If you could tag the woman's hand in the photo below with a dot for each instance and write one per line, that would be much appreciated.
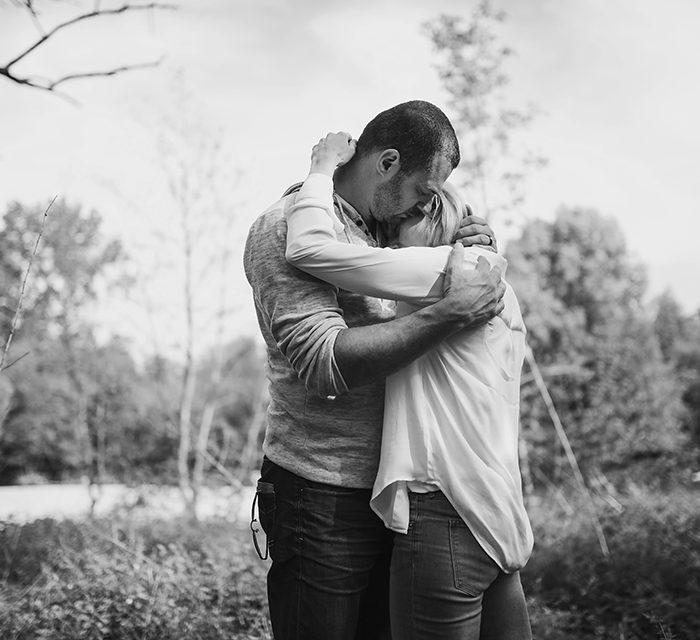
(330, 152)
(474, 230)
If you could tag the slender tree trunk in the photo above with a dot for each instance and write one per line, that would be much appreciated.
(201, 447)
(81, 419)
(101, 443)
(6, 395)
(84, 437)
(257, 424)
(223, 452)
(185, 426)
(189, 373)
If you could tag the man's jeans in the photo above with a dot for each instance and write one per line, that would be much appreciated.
(330, 553)
(443, 584)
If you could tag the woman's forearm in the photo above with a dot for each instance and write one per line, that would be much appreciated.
(472, 298)
(412, 274)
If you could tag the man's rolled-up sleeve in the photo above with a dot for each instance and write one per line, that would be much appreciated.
(308, 341)
(301, 312)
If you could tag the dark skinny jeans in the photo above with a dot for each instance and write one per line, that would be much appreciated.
(329, 578)
(443, 584)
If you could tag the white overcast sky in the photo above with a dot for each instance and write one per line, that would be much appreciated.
(617, 80)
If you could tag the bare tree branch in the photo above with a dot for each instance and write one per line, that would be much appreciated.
(29, 6)
(103, 74)
(97, 12)
(15, 361)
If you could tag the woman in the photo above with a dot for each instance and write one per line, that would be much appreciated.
(448, 481)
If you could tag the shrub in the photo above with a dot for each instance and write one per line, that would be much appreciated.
(160, 580)
(649, 586)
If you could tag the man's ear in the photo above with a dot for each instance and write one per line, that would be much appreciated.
(388, 163)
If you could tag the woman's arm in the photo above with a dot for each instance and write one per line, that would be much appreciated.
(413, 274)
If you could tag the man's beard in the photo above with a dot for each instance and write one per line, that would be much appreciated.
(385, 200)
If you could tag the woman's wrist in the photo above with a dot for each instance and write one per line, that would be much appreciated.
(324, 166)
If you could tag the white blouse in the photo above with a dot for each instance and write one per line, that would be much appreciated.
(451, 416)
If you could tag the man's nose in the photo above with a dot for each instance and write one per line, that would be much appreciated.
(426, 206)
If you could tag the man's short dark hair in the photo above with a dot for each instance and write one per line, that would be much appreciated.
(418, 130)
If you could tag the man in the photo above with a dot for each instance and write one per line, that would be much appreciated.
(329, 352)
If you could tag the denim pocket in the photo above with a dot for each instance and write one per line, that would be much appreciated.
(473, 569)
(330, 509)
(266, 505)
(265, 501)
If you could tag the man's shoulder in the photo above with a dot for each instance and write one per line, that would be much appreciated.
(266, 244)
(272, 216)
(270, 227)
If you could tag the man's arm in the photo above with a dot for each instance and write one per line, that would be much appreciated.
(471, 298)
(306, 323)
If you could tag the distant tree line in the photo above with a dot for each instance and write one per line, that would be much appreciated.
(624, 375)
(78, 408)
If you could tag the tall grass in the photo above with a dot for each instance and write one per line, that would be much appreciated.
(649, 586)
(128, 578)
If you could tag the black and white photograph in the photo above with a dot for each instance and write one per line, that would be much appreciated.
(370, 320)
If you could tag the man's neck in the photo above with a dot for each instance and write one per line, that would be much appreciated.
(352, 188)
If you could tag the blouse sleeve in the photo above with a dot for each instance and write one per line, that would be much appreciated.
(411, 274)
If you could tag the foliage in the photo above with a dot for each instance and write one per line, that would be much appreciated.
(495, 164)
(679, 338)
(76, 407)
(126, 424)
(73, 260)
(129, 579)
(582, 300)
(133, 577)
(131, 417)
(648, 587)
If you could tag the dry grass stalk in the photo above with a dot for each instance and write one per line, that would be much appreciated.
(18, 311)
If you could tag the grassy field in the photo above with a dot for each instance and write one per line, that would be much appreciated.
(136, 577)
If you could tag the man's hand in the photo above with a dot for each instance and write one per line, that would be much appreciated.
(475, 295)
(474, 230)
(330, 152)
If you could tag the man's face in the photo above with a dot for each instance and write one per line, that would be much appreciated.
(396, 199)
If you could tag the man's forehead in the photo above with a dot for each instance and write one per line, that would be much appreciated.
(435, 177)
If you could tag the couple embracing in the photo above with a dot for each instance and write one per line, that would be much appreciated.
(390, 492)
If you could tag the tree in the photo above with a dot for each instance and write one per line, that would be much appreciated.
(679, 338)
(581, 297)
(472, 70)
(125, 424)
(236, 399)
(8, 69)
(74, 258)
(200, 182)
(673, 329)
(9, 319)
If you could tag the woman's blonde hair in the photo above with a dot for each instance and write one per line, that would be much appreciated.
(443, 218)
